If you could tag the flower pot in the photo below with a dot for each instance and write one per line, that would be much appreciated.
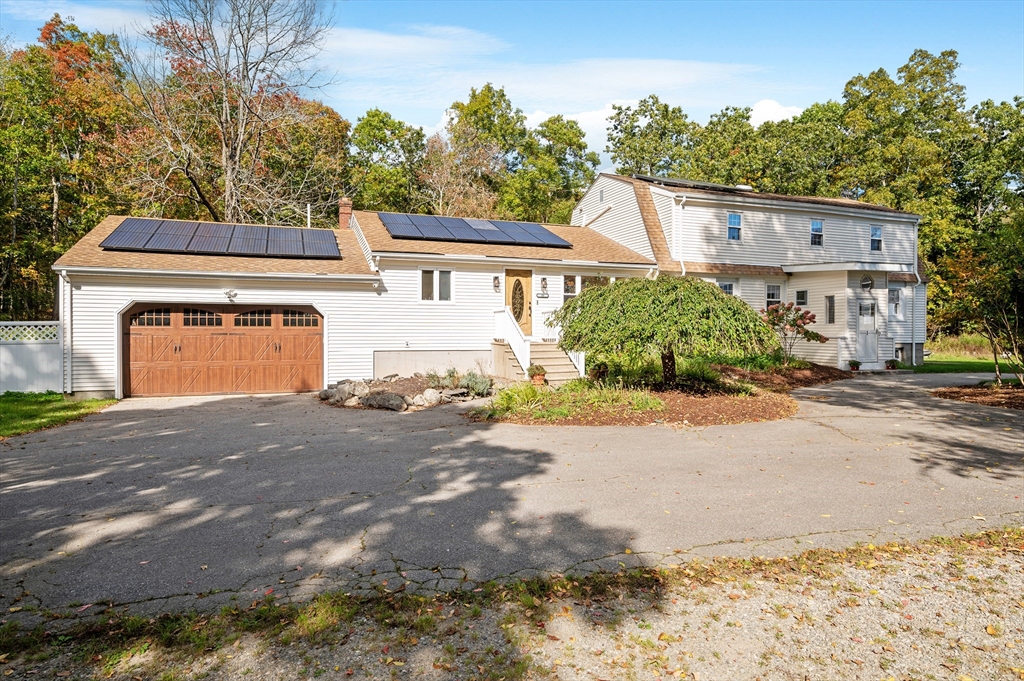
(853, 368)
(538, 379)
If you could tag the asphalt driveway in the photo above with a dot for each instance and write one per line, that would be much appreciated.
(188, 503)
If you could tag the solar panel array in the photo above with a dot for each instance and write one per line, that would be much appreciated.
(469, 230)
(214, 238)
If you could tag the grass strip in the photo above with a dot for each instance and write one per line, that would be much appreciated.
(22, 413)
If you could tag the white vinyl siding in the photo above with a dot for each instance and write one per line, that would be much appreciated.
(818, 285)
(358, 319)
(623, 222)
(780, 236)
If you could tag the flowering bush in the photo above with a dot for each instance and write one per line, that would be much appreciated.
(790, 324)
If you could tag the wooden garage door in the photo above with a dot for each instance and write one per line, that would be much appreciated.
(198, 350)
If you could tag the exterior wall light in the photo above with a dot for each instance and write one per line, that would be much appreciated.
(497, 283)
(543, 288)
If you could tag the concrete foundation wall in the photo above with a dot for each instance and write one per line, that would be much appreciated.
(408, 362)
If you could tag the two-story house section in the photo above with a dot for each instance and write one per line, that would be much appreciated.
(853, 264)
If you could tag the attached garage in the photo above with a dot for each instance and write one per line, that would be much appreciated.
(200, 350)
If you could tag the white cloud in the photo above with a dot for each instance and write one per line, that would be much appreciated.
(108, 17)
(770, 110)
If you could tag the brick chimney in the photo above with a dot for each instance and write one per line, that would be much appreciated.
(344, 212)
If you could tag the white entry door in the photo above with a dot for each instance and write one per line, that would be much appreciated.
(867, 333)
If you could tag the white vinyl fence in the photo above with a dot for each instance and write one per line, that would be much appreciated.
(31, 357)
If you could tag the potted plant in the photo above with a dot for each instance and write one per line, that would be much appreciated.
(854, 365)
(536, 373)
(891, 364)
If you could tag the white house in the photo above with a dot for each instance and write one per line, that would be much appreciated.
(166, 307)
(851, 263)
(166, 310)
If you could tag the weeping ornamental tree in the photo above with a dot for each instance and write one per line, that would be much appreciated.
(667, 316)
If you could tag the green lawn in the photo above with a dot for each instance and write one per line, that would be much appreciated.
(27, 412)
(957, 364)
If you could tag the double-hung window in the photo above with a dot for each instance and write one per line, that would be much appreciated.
(772, 295)
(801, 298)
(735, 226)
(876, 237)
(435, 285)
(896, 303)
(817, 233)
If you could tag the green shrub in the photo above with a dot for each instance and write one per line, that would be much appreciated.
(475, 383)
(536, 370)
(643, 400)
(520, 398)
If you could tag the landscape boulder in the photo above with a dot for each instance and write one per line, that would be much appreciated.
(359, 389)
(431, 397)
(391, 401)
(325, 394)
(352, 402)
(418, 401)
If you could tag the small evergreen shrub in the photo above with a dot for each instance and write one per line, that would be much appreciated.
(475, 383)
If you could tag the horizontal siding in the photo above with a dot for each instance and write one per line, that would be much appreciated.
(782, 237)
(358, 319)
(879, 294)
(818, 285)
(623, 222)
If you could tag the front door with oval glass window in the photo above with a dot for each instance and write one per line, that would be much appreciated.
(518, 298)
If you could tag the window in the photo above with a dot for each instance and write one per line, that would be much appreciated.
(587, 282)
(253, 318)
(735, 226)
(801, 298)
(726, 286)
(568, 287)
(876, 238)
(896, 303)
(156, 317)
(817, 233)
(299, 318)
(830, 309)
(773, 295)
(600, 196)
(435, 285)
(196, 317)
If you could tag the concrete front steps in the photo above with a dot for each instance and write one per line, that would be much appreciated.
(560, 368)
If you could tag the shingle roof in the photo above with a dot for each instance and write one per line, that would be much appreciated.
(655, 233)
(908, 277)
(726, 268)
(587, 245)
(818, 200)
(87, 253)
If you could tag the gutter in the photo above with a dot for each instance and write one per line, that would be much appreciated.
(866, 266)
(192, 274)
(913, 306)
(440, 257)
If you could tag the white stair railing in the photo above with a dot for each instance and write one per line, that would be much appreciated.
(506, 329)
(579, 360)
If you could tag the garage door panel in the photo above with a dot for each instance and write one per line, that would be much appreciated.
(174, 359)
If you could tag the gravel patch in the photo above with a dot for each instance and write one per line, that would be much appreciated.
(938, 610)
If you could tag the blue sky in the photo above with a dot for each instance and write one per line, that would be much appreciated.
(578, 58)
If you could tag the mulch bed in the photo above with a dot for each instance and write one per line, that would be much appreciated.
(1008, 396)
(788, 379)
(683, 409)
(403, 386)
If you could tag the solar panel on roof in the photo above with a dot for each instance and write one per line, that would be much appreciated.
(172, 235)
(182, 236)
(134, 236)
(319, 243)
(469, 230)
(211, 238)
